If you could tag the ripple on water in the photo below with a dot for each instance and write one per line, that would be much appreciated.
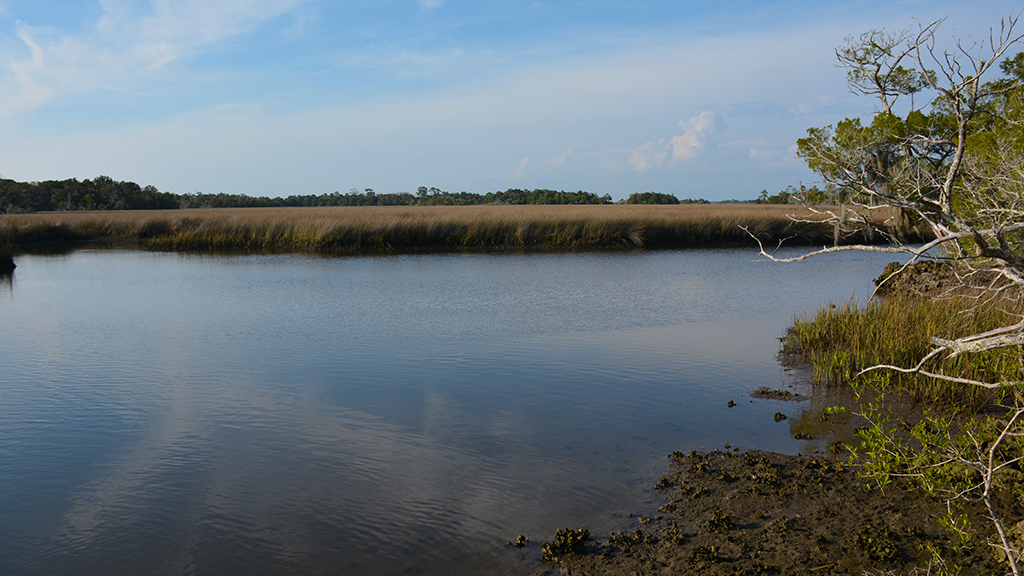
(175, 414)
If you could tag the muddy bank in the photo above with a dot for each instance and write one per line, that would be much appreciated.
(753, 512)
(756, 512)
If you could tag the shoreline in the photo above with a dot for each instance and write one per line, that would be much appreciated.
(357, 230)
(755, 512)
(758, 512)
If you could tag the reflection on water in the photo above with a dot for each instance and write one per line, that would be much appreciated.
(281, 414)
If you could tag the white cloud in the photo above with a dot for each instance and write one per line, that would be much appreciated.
(763, 153)
(560, 160)
(649, 155)
(523, 165)
(129, 39)
(428, 5)
(696, 133)
(581, 132)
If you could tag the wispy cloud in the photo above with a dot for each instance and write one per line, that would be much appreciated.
(523, 165)
(560, 160)
(428, 5)
(606, 120)
(406, 63)
(127, 40)
(665, 153)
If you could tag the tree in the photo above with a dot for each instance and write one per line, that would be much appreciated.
(958, 170)
(651, 198)
(961, 179)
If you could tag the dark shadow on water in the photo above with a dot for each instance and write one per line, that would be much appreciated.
(58, 248)
(67, 248)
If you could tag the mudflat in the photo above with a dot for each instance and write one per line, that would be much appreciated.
(757, 512)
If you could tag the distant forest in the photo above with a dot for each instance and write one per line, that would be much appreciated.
(105, 193)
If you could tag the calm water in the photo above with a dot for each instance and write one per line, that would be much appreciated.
(291, 414)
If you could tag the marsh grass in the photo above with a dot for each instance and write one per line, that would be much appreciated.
(839, 341)
(396, 228)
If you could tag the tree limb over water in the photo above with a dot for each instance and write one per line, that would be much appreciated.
(957, 171)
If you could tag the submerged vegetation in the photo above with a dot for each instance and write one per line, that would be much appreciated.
(395, 228)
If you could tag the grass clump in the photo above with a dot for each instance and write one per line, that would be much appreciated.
(840, 341)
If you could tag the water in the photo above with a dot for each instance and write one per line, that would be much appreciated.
(292, 414)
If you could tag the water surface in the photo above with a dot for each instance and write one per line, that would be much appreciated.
(293, 414)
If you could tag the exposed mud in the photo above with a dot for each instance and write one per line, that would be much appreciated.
(767, 513)
(925, 278)
(755, 512)
(777, 394)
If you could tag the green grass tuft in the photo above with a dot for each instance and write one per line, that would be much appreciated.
(839, 341)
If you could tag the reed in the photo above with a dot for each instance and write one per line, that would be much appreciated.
(402, 228)
(839, 341)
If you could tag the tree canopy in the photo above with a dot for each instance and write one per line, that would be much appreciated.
(957, 168)
(105, 193)
(651, 198)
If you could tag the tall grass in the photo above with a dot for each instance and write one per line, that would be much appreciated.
(839, 341)
(394, 228)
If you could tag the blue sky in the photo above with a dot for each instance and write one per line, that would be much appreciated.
(278, 97)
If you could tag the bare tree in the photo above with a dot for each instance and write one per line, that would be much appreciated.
(958, 172)
(971, 201)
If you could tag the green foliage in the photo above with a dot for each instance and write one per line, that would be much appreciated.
(424, 197)
(966, 463)
(104, 193)
(957, 169)
(880, 153)
(651, 198)
(100, 193)
(793, 195)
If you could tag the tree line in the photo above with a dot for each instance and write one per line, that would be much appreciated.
(105, 193)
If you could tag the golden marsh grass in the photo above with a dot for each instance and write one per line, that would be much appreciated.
(400, 228)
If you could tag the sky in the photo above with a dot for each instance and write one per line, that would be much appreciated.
(277, 97)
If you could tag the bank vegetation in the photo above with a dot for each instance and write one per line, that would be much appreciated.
(411, 228)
